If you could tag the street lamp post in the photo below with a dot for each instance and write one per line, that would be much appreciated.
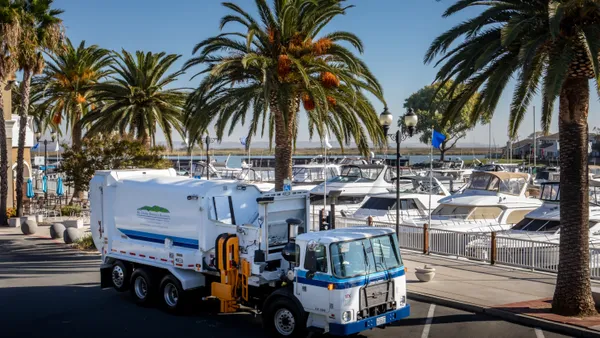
(208, 141)
(38, 136)
(410, 121)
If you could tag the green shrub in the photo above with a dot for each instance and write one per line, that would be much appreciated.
(86, 243)
(70, 210)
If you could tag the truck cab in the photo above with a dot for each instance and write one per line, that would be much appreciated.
(346, 280)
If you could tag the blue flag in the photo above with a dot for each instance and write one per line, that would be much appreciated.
(437, 139)
(35, 146)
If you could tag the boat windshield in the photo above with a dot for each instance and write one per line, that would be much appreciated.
(539, 225)
(257, 175)
(382, 203)
(365, 256)
(358, 174)
(550, 192)
(542, 175)
(304, 174)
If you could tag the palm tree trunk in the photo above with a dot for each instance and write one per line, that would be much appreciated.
(145, 139)
(3, 164)
(283, 141)
(76, 137)
(25, 89)
(573, 294)
(76, 132)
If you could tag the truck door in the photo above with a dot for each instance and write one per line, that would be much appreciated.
(313, 279)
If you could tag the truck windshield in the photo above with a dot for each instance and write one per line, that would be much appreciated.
(365, 256)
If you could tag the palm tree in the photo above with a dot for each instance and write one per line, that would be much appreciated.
(547, 44)
(9, 34)
(136, 99)
(42, 30)
(280, 63)
(68, 82)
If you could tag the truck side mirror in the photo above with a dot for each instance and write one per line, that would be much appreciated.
(310, 263)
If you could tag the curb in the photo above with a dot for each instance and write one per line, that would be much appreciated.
(570, 330)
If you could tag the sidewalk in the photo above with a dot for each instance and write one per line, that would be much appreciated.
(513, 294)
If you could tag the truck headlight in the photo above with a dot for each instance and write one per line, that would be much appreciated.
(347, 316)
(402, 302)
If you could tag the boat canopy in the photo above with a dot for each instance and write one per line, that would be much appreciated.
(502, 182)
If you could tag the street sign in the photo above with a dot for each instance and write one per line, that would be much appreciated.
(38, 160)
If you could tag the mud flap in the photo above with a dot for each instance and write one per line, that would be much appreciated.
(105, 276)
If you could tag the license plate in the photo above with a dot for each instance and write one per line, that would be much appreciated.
(380, 320)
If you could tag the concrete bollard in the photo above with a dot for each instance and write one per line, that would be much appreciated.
(57, 230)
(29, 227)
(72, 235)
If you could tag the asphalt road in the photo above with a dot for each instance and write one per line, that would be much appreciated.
(47, 290)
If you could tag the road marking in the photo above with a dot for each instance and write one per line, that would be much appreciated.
(539, 333)
(428, 322)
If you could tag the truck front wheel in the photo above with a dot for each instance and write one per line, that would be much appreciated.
(284, 319)
(120, 276)
(142, 286)
(173, 295)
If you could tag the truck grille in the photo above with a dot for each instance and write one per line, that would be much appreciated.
(376, 299)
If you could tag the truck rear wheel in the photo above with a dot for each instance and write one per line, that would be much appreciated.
(173, 296)
(120, 276)
(284, 319)
(142, 286)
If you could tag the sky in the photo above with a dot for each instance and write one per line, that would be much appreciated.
(395, 33)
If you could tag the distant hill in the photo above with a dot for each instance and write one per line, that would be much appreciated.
(154, 208)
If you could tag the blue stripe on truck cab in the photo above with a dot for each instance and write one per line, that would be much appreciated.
(158, 238)
(322, 280)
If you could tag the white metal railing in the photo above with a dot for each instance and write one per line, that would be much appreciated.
(484, 246)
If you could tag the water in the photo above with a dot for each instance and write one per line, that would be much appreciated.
(236, 161)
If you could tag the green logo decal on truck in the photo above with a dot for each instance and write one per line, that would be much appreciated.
(154, 208)
(154, 216)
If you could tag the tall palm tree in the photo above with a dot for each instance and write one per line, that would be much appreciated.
(67, 84)
(41, 30)
(279, 63)
(136, 99)
(550, 45)
(9, 37)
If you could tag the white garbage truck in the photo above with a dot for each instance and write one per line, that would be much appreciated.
(168, 239)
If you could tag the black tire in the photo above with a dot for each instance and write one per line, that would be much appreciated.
(120, 276)
(282, 318)
(173, 298)
(142, 287)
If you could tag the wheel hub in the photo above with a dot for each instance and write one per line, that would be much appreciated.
(171, 295)
(117, 276)
(284, 322)
(141, 288)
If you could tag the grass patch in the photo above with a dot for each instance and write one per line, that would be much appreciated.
(86, 243)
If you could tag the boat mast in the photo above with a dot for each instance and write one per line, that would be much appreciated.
(534, 141)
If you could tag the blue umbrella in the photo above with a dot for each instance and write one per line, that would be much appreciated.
(45, 183)
(30, 193)
(59, 187)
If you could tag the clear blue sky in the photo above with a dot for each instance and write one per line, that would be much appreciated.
(396, 34)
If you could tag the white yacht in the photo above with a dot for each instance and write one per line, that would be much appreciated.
(355, 183)
(547, 174)
(304, 176)
(310, 175)
(413, 202)
(493, 201)
(534, 240)
(451, 173)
